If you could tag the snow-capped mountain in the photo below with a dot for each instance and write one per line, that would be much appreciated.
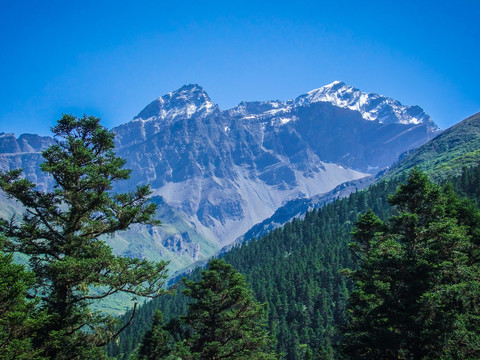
(217, 173)
(373, 107)
(185, 102)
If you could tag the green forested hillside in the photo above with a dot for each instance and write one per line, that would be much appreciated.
(295, 269)
(446, 155)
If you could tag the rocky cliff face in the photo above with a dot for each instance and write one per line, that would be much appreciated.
(217, 173)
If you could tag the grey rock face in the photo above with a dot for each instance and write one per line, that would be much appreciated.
(217, 173)
(25, 153)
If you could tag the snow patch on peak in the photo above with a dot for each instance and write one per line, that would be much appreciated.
(335, 84)
(372, 107)
(259, 110)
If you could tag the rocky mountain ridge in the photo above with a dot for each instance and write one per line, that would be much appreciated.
(216, 173)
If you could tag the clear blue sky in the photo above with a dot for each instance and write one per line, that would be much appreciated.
(111, 58)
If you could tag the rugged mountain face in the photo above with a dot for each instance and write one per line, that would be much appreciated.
(304, 258)
(25, 153)
(217, 173)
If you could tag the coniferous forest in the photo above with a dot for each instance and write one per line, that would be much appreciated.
(295, 269)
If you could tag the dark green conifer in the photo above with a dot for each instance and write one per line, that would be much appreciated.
(416, 286)
(226, 321)
(61, 232)
(157, 342)
(19, 319)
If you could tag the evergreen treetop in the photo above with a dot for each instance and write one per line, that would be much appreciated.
(226, 321)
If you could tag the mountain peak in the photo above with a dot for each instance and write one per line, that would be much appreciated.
(336, 84)
(186, 101)
(190, 92)
(373, 107)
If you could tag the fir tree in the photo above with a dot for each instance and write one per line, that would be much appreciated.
(226, 321)
(157, 343)
(60, 234)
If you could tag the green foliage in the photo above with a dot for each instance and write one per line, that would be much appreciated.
(416, 286)
(295, 270)
(468, 183)
(225, 320)
(60, 231)
(157, 343)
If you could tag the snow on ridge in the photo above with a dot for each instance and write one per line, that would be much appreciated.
(372, 106)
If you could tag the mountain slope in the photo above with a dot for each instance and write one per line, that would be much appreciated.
(225, 171)
(454, 149)
(25, 153)
(299, 207)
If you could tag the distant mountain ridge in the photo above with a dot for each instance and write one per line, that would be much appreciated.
(25, 152)
(216, 173)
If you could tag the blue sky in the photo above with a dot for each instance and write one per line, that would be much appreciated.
(111, 58)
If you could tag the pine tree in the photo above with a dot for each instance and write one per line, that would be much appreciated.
(61, 232)
(157, 343)
(226, 321)
(416, 294)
